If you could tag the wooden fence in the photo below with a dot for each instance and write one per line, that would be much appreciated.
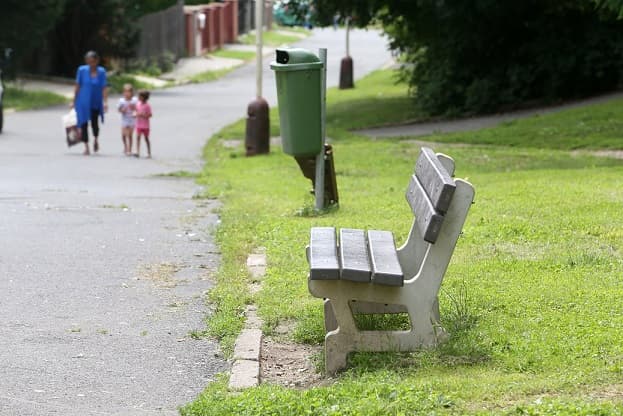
(163, 32)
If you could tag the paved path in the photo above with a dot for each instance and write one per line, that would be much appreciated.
(103, 265)
(475, 123)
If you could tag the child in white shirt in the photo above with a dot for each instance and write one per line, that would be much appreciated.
(127, 108)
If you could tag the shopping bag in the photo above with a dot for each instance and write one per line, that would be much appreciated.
(73, 135)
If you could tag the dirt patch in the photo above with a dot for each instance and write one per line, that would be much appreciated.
(613, 392)
(290, 365)
(161, 274)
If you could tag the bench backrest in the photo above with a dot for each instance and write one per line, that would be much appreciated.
(430, 192)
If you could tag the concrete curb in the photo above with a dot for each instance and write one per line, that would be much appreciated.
(245, 371)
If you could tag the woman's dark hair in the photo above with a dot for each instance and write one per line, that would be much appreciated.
(91, 54)
(143, 95)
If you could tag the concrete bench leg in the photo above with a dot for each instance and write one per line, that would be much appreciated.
(330, 323)
(335, 352)
(435, 311)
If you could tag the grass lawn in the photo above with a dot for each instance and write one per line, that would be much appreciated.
(234, 54)
(20, 99)
(208, 76)
(276, 37)
(537, 274)
(597, 126)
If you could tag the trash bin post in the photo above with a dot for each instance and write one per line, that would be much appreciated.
(319, 188)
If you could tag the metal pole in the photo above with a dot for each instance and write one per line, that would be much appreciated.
(319, 188)
(348, 36)
(259, 28)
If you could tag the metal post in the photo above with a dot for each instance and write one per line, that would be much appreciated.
(319, 188)
(259, 28)
(348, 36)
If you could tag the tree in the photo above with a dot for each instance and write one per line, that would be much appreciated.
(614, 5)
(486, 55)
(24, 23)
(107, 26)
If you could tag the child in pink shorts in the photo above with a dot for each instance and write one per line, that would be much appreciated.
(143, 114)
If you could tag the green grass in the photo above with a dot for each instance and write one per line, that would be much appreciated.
(531, 298)
(208, 76)
(234, 54)
(378, 99)
(596, 126)
(19, 99)
(273, 37)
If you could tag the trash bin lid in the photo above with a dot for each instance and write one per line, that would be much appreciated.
(295, 59)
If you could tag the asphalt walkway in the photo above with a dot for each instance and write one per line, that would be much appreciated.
(104, 264)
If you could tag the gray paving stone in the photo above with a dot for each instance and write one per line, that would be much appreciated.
(244, 374)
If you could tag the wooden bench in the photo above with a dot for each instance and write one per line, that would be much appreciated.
(364, 273)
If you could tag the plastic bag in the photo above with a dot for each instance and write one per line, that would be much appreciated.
(72, 131)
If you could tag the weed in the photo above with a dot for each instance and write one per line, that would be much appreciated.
(460, 315)
(196, 334)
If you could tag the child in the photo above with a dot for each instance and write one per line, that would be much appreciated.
(143, 114)
(127, 108)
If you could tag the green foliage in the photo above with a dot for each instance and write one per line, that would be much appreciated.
(143, 7)
(487, 55)
(614, 5)
(361, 12)
(107, 26)
(153, 67)
(23, 24)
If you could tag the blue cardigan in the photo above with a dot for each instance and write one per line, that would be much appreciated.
(90, 96)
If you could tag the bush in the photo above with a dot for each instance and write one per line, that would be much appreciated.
(486, 55)
(482, 56)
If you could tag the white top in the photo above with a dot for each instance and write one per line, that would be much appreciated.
(128, 111)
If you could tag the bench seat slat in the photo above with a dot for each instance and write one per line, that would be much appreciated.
(428, 220)
(386, 269)
(435, 179)
(354, 255)
(323, 261)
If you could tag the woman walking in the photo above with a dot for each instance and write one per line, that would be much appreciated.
(90, 98)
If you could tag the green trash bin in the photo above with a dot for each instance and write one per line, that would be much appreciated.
(298, 73)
